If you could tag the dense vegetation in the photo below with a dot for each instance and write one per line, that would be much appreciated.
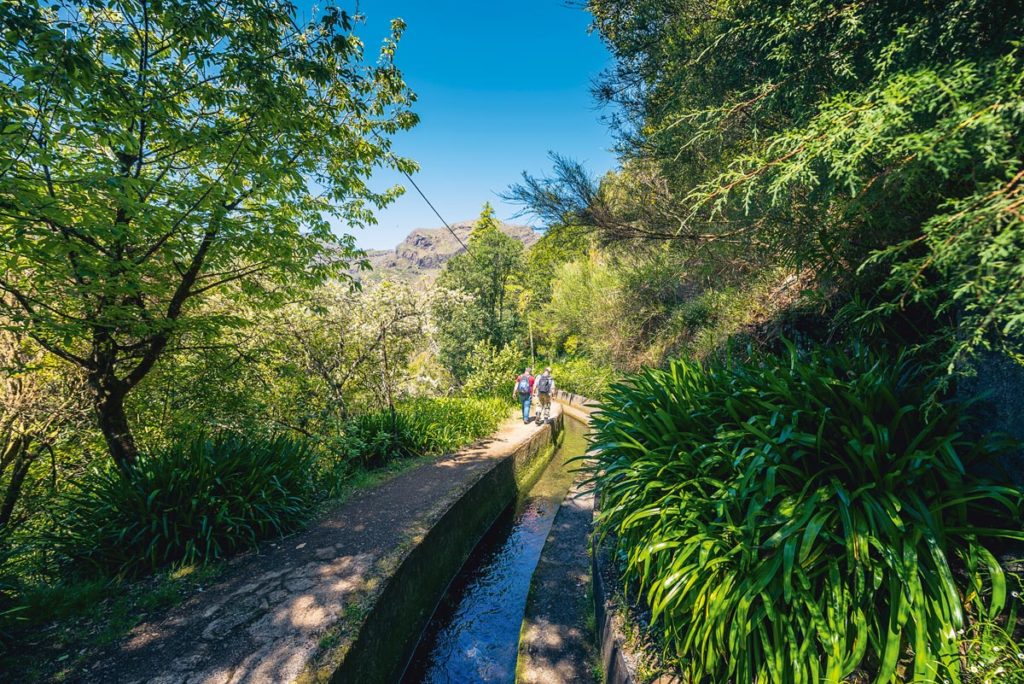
(845, 175)
(199, 500)
(422, 427)
(187, 363)
(802, 518)
(812, 237)
(867, 152)
(477, 295)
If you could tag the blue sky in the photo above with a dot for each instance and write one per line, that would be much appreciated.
(500, 84)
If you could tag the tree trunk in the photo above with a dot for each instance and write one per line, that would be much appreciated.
(387, 382)
(109, 403)
(533, 356)
(19, 457)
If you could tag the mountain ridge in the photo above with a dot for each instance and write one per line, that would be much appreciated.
(425, 251)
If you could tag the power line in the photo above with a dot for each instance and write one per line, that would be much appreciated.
(430, 204)
(436, 212)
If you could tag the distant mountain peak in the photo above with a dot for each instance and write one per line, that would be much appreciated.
(425, 251)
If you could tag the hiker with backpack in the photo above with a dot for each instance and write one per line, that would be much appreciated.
(523, 390)
(545, 386)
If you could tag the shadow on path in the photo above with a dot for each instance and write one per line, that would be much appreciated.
(264, 620)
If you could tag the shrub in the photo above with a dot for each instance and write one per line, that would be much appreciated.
(444, 425)
(422, 427)
(372, 439)
(795, 518)
(584, 305)
(198, 500)
(582, 376)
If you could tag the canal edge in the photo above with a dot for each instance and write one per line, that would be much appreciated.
(386, 638)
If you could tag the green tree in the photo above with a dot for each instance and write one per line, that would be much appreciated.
(305, 367)
(558, 245)
(458, 326)
(356, 345)
(487, 273)
(870, 143)
(152, 154)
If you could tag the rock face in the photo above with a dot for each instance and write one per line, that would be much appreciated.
(425, 251)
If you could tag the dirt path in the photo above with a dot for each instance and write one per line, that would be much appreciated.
(263, 622)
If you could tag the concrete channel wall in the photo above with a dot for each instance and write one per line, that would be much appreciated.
(610, 641)
(576, 405)
(392, 628)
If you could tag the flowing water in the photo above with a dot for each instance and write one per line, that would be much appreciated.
(474, 633)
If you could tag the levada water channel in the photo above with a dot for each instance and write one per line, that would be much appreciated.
(474, 633)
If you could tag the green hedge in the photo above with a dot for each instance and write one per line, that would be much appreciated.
(799, 518)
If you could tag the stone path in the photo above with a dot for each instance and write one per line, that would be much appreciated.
(264, 621)
(556, 644)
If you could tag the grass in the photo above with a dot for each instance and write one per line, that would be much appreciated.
(991, 654)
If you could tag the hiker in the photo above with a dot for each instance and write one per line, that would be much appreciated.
(523, 390)
(545, 386)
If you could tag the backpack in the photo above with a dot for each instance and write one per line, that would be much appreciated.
(523, 385)
(544, 384)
